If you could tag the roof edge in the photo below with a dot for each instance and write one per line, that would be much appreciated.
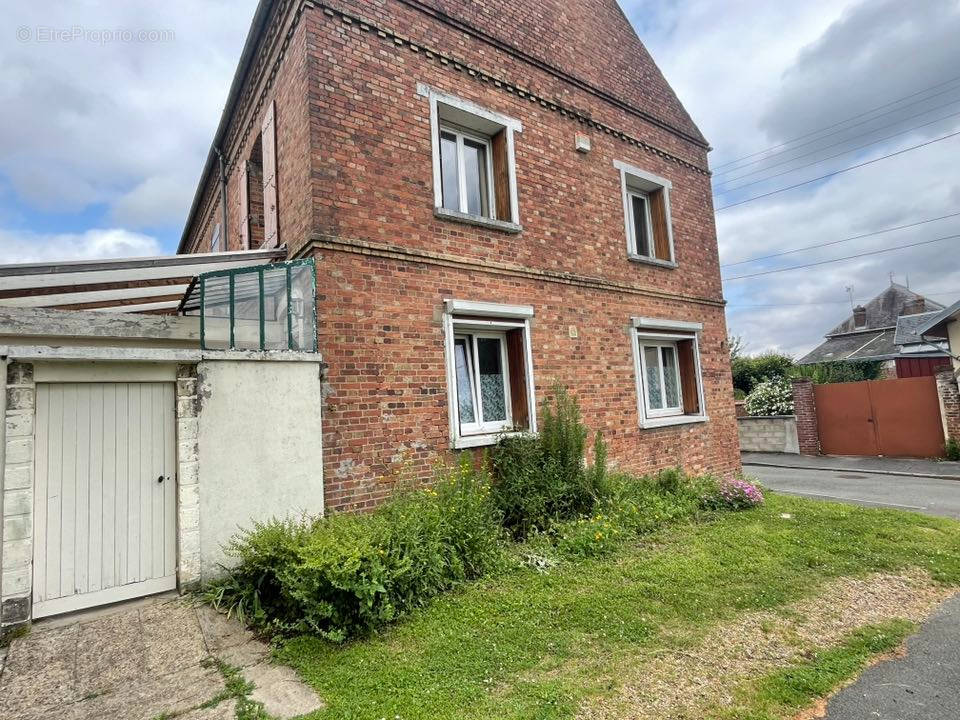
(254, 35)
(941, 317)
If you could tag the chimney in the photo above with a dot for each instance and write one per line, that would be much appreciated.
(915, 306)
(859, 317)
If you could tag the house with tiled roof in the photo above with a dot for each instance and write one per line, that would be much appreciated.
(886, 329)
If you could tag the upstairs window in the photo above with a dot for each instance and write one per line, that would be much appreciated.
(667, 363)
(646, 209)
(489, 371)
(474, 170)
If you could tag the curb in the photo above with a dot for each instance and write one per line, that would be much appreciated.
(898, 473)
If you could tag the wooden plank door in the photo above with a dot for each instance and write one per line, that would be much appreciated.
(104, 494)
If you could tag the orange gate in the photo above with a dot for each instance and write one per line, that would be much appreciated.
(896, 418)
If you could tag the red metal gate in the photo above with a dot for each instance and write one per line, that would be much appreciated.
(896, 418)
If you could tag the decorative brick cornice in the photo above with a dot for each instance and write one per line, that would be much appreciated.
(485, 76)
(395, 252)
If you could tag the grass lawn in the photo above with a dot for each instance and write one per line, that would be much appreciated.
(527, 644)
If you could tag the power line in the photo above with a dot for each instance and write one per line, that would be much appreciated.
(950, 293)
(838, 172)
(840, 259)
(837, 242)
(839, 142)
(842, 122)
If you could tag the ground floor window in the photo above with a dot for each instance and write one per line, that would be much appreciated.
(669, 379)
(489, 369)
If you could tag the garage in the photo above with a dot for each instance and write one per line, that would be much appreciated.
(105, 485)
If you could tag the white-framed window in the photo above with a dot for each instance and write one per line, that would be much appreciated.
(489, 371)
(474, 165)
(669, 381)
(466, 172)
(646, 212)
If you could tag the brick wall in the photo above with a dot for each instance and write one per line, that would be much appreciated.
(804, 407)
(17, 491)
(385, 263)
(949, 404)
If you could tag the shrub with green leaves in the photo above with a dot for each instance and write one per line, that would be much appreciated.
(952, 449)
(539, 479)
(347, 574)
(771, 397)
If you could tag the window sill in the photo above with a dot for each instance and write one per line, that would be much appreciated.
(471, 441)
(478, 220)
(672, 420)
(633, 257)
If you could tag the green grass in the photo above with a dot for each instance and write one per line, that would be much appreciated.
(783, 693)
(533, 645)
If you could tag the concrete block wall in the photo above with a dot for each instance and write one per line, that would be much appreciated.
(17, 489)
(768, 433)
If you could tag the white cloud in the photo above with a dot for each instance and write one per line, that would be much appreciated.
(24, 247)
(92, 121)
(755, 74)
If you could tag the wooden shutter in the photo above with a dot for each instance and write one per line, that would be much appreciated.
(518, 379)
(688, 377)
(269, 140)
(243, 216)
(659, 220)
(501, 176)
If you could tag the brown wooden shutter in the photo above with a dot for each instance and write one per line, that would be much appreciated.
(518, 379)
(688, 377)
(501, 176)
(243, 216)
(268, 137)
(659, 219)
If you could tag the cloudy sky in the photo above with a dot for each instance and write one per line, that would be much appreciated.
(103, 136)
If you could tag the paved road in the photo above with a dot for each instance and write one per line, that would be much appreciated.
(920, 494)
(923, 685)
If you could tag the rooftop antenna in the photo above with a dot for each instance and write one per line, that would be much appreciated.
(908, 281)
(849, 290)
(891, 277)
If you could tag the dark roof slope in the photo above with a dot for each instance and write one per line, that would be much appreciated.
(908, 326)
(884, 309)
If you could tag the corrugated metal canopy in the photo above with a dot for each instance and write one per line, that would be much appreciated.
(150, 284)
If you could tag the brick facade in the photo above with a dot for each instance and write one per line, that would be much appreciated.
(354, 154)
(804, 407)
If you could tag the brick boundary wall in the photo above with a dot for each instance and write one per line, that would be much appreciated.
(805, 408)
(949, 394)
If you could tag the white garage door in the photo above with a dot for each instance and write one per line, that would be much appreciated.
(105, 494)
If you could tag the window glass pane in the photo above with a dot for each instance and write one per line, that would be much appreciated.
(651, 358)
(671, 383)
(639, 205)
(492, 397)
(448, 171)
(464, 381)
(475, 170)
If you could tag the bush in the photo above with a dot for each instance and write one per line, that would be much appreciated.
(347, 574)
(748, 372)
(771, 397)
(952, 449)
(735, 494)
(837, 372)
(543, 478)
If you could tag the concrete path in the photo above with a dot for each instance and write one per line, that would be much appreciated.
(919, 494)
(894, 466)
(923, 685)
(137, 661)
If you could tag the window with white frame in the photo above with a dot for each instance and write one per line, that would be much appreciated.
(474, 170)
(646, 210)
(489, 371)
(667, 363)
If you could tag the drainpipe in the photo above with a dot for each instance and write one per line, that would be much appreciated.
(223, 199)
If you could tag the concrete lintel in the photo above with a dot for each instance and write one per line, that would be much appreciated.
(130, 354)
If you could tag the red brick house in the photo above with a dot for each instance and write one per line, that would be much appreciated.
(499, 197)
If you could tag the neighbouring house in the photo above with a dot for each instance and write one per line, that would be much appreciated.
(499, 197)
(944, 325)
(885, 330)
(415, 220)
